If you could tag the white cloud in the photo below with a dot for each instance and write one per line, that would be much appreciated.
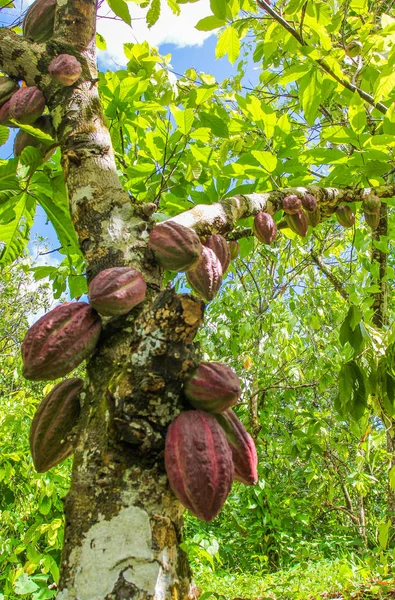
(169, 29)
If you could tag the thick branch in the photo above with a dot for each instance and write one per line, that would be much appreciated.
(347, 84)
(330, 276)
(19, 56)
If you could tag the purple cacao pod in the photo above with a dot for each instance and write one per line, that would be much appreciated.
(198, 463)
(234, 249)
(309, 203)
(371, 204)
(298, 223)
(51, 436)
(245, 459)
(206, 278)
(265, 228)
(372, 219)
(26, 105)
(292, 204)
(213, 387)
(5, 115)
(218, 244)
(314, 218)
(116, 291)
(59, 341)
(175, 247)
(65, 69)
(39, 20)
(7, 88)
(345, 216)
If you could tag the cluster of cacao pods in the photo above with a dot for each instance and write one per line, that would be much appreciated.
(58, 342)
(207, 448)
(179, 248)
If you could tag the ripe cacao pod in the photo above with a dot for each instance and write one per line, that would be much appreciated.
(51, 438)
(206, 278)
(213, 387)
(298, 223)
(5, 115)
(372, 219)
(39, 20)
(245, 459)
(7, 88)
(234, 249)
(314, 218)
(309, 203)
(116, 291)
(26, 105)
(265, 228)
(291, 204)
(175, 247)
(60, 341)
(24, 139)
(65, 69)
(198, 463)
(371, 204)
(345, 216)
(218, 244)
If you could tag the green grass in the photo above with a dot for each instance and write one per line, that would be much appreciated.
(340, 579)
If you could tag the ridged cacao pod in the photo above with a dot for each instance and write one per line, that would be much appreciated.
(116, 291)
(234, 249)
(309, 203)
(65, 69)
(51, 439)
(175, 247)
(245, 459)
(218, 244)
(372, 219)
(314, 218)
(26, 105)
(24, 139)
(265, 228)
(298, 223)
(291, 204)
(371, 204)
(206, 278)
(199, 463)
(7, 88)
(39, 20)
(345, 216)
(5, 115)
(213, 387)
(60, 341)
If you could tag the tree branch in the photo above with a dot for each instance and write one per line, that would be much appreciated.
(19, 56)
(347, 84)
(330, 276)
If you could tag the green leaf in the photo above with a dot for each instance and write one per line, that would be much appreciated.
(357, 114)
(120, 8)
(153, 13)
(218, 8)
(209, 23)
(14, 235)
(266, 159)
(4, 134)
(174, 7)
(228, 43)
(310, 92)
(24, 585)
(101, 43)
(184, 119)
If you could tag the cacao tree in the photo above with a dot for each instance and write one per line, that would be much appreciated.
(149, 173)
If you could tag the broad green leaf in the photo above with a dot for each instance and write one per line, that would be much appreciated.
(357, 113)
(310, 95)
(62, 223)
(184, 119)
(101, 43)
(14, 235)
(4, 133)
(153, 13)
(120, 8)
(228, 43)
(210, 23)
(218, 8)
(266, 159)
(174, 7)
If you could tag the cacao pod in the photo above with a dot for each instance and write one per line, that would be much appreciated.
(39, 20)
(206, 278)
(234, 249)
(353, 49)
(26, 105)
(175, 247)
(371, 204)
(345, 216)
(244, 455)
(65, 69)
(60, 341)
(372, 219)
(298, 223)
(314, 218)
(213, 387)
(5, 115)
(309, 203)
(198, 463)
(51, 439)
(7, 88)
(24, 139)
(291, 204)
(116, 291)
(265, 228)
(218, 244)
